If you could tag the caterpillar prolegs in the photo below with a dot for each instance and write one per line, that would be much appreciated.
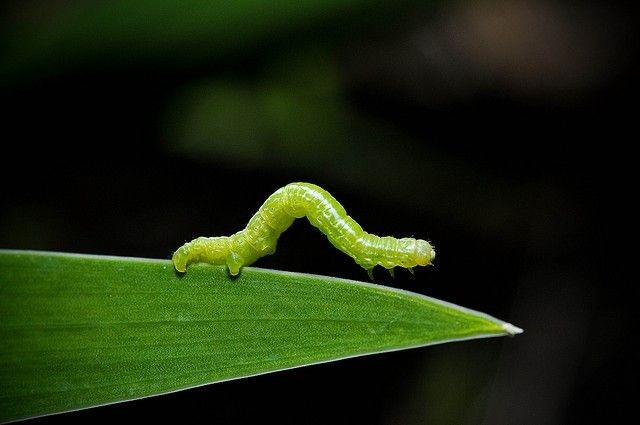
(323, 211)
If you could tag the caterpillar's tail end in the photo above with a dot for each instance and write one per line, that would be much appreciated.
(425, 253)
(180, 259)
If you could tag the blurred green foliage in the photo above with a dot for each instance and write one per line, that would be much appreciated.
(50, 38)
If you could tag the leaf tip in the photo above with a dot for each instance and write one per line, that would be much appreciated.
(511, 329)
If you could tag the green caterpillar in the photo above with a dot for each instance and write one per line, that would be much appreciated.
(297, 200)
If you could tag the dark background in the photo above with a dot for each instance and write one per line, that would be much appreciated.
(495, 129)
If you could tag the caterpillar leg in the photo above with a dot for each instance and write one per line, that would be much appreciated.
(234, 270)
(370, 273)
(234, 264)
(392, 272)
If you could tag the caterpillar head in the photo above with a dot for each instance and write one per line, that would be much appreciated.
(181, 258)
(424, 253)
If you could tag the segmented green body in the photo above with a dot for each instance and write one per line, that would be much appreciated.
(293, 201)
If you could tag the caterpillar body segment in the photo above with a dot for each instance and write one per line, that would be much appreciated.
(323, 211)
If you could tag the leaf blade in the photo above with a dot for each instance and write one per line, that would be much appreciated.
(79, 331)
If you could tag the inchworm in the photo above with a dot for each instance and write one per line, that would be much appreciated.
(278, 212)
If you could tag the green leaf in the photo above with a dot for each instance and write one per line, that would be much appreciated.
(78, 331)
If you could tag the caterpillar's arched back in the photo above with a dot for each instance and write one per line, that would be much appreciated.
(297, 200)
